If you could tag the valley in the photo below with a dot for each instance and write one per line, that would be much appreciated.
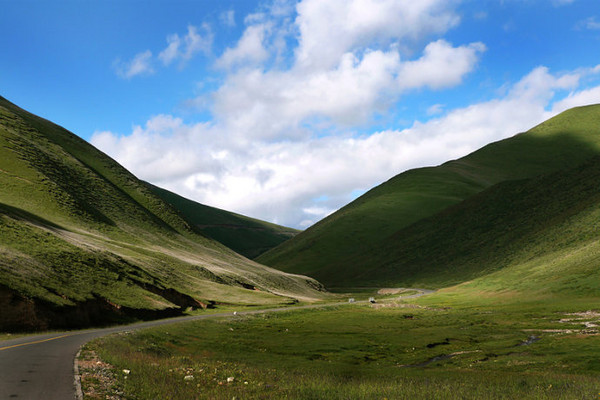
(497, 255)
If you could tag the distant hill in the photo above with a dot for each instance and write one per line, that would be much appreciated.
(247, 236)
(83, 241)
(363, 242)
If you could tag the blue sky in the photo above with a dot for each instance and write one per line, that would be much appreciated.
(287, 110)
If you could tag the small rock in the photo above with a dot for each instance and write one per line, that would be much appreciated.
(126, 371)
(188, 378)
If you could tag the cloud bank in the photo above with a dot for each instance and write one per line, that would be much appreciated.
(283, 142)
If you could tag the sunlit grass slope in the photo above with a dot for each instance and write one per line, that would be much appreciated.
(247, 236)
(337, 250)
(77, 227)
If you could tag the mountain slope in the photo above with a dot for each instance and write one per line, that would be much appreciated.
(537, 234)
(327, 249)
(247, 236)
(80, 235)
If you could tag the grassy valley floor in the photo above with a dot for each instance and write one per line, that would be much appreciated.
(439, 346)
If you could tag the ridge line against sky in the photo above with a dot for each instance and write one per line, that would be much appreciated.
(287, 110)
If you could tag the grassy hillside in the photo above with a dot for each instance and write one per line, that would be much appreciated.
(80, 232)
(334, 249)
(247, 236)
(535, 235)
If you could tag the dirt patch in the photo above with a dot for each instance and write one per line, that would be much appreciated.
(391, 291)
(589, 319)
(392, 304)
(98, 378)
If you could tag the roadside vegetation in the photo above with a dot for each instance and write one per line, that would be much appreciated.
(440, 346)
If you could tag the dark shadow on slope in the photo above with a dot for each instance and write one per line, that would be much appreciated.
(488, 231)
(23, 314)
(23, 215)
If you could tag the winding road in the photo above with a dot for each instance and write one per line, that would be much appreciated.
(42, 366)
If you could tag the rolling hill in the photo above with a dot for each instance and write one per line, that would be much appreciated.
(247, 236)
(377, 238)
(83, 241)
(532, 235)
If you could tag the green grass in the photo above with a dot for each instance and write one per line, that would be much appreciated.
(338, 248)
(76, 227)
(365, 352)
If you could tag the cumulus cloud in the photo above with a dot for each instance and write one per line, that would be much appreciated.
(351, 61)
(440, 66)
(180, 49)
(268, 104)
(249, 49)
(299, 182)
(184, 48)
(281, 143)
(329, 29)
(141, 64)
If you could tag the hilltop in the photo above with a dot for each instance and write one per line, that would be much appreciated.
(83, 241)
(384, 229)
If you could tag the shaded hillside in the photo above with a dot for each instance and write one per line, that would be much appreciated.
(76, 227)
(247, 236)
(538, 234)
(334, 245)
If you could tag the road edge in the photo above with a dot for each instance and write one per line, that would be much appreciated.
(77, 376)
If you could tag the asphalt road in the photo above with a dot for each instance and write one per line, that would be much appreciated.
(42, 366)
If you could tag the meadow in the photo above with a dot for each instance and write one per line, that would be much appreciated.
(446, 345)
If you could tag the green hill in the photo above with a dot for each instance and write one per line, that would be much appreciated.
(535, 235)
(334, 250)
(247, 236)
(83, 241)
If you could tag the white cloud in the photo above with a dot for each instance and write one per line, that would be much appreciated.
(435, 109)
(575, 99)
(281, 144)
(329, 29)
(299, 182)
(347, 66)
(141, 64)
(440, 66)
(184, 48)
(275, 103)
(249, 49)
